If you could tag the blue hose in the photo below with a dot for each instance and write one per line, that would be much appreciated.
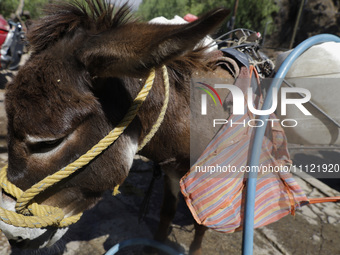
(142, 241)
(248, 230)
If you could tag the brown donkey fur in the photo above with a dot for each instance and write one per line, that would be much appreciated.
(87, 65)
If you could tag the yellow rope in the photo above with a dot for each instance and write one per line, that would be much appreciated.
(162, 113)
(39, 215)
(33, 215)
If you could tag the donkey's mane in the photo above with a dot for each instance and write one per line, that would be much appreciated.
(63, 18)
(92, 17)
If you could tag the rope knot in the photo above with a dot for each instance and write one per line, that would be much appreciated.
(31, 215)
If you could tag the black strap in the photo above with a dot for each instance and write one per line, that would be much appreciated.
(240, 57)
(157, 174)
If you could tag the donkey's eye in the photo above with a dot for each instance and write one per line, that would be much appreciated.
(44, 146)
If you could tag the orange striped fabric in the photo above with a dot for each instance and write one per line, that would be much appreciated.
(214, 188)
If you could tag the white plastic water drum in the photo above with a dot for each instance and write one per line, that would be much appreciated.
(318, 70)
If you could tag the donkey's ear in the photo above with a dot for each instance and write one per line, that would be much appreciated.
(134, 48)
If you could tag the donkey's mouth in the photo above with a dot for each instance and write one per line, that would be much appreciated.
(19, 243)
(27, 238)
(41, 241)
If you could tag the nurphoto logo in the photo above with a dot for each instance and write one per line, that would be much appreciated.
(239, 100)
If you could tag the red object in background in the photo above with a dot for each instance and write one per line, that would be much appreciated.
(190, 17)
(3, 30)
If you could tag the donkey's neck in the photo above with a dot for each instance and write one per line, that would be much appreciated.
(172, 138)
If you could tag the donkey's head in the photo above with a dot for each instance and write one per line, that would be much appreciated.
(88, 62)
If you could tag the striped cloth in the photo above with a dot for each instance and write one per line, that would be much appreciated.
(215, 186)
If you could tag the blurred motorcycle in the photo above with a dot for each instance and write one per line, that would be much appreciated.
(11, 44)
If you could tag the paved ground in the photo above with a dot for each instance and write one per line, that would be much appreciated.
(314, 230)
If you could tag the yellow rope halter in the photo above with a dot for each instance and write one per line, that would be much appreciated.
(32, 215)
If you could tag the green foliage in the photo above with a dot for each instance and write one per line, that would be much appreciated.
(251, 14)
(7, 7)
(35, 7)
(154, 8)
(255, 14)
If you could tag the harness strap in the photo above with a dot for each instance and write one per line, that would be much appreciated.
(144, 208)
(52, 216)
(323, 200)
(291, 198)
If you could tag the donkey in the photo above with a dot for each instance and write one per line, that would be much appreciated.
(88, 63)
